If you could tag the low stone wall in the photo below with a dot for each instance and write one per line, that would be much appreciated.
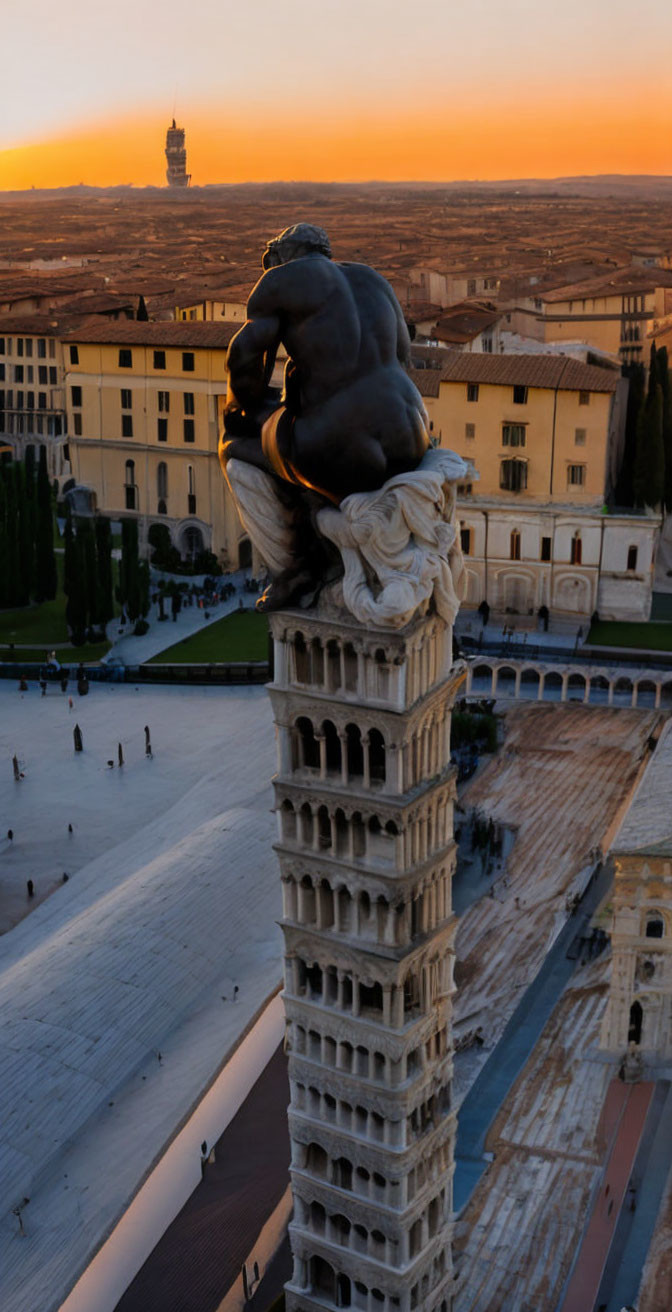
(596, 685)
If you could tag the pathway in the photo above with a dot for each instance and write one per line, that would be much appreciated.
(129, 650)
(199, 1257)
(628, 1105)
(632, 1240)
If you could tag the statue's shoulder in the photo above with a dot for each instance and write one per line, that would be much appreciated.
(364, 273)
(292, 283)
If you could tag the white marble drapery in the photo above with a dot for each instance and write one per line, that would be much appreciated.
(400, 545)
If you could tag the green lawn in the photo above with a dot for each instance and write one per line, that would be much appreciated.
(41, 624)
(619, 633)
(92, 651)
(242, 636)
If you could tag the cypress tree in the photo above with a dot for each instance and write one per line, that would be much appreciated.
(73, 582)
(4, 580)
(86, 556)
(649, 471)
(12, 558)
(144, 587)
(30, 474)
(46, 576)
(624, 492)
(23, 530)
(664, 380)
(129, 574)
(104, 568)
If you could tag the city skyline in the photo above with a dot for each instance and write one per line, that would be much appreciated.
(354, 93)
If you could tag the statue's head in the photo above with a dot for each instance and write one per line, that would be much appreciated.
(292, 243)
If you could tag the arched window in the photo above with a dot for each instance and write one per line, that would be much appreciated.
(129, 484)
(162, 486)
(655, 926)
(332, 745)
(515, 544)
(376, 756)
(309, 748)
(577, 549)
(635, 1028)
(355, 751)
(301, 664)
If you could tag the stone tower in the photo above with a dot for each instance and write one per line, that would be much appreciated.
(176, 157)
(364, 800)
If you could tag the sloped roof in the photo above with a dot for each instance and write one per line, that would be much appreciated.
(133, 332)
(635, 278)
(117, 1012)
(461, 323)
(551, 371)
(647, 827)
(427, 381)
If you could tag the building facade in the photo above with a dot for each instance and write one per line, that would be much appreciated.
(638, 1017)
(144, 406)
(543, 435)
(611, 312)
(364, 798)
(32, 390)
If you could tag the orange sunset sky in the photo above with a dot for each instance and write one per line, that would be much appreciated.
(345, 89)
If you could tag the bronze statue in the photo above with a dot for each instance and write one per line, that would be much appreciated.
(348, 418)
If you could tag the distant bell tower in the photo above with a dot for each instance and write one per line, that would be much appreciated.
(176, 156)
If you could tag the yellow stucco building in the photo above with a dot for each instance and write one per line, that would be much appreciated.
(612, 313)
(144, 405)
(544, 436)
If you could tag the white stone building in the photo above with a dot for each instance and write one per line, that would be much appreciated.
(638, 1018)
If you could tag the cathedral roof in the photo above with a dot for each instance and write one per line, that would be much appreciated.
(647, 827)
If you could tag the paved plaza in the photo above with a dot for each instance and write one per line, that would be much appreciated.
(210, 748)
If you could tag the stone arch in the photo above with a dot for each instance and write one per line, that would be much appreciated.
(332, 744)
(377, 767)
(646, 693)
(308, 748)
(301, 658)
(599, 690)
(355, 751)
(552, 687)
(288, 821)
(576, 687)
(481, 679)
(505, 681)
(623, 689)
(530, 683)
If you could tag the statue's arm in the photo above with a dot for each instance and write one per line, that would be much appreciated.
(251, 357)
(403, 336)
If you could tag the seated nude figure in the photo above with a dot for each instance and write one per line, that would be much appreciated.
(348, 419)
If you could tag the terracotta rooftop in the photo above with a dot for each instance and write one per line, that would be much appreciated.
(461, 323)
(528, 371)
(134, 332)
(43, 324)
(427, 381)
(633, 279)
